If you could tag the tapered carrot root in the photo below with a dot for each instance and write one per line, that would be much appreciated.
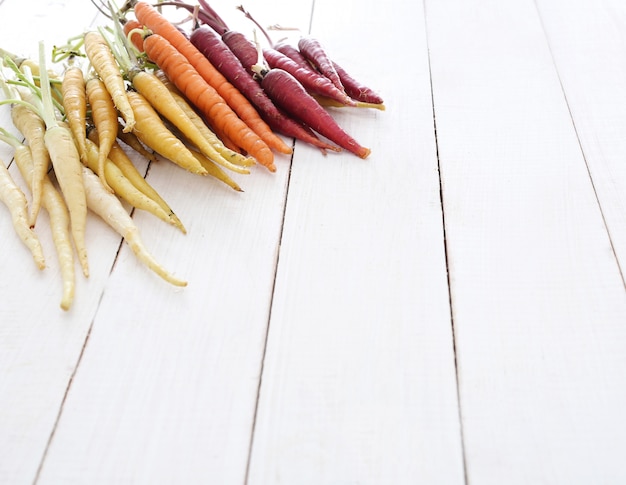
(75, 105)
(104, 117)
(130, 139)
(32, 127)
(15, 200)
(215, 171)
(67, 167)
(315, 53)
(109, 208)
(152, 131)
(289, 94)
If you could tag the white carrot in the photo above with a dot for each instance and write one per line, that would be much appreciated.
(15, 200)
(67, 166)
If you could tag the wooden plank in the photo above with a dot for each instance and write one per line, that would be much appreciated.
(167, 386)
(586, 40)
(358, 382)
(538, 301)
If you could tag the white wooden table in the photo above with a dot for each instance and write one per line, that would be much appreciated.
(451, 310)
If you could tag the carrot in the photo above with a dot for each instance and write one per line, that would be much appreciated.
(215, 171)
(52, 201)
(216, 50)
(333, 103)
(75, 105)
(151, 130)
(110, 209)
(209, 43)
(132, 29)
(151, 18)
(294, 54)
(15, 200)
(206, 99)
(103, 61)
(289, 94)
(67, 166)
(356, 90)
(118, 156)
(311, 80)
(313, 50)
(131, 140)
(32, 127)
(243, 48)
(104, 117)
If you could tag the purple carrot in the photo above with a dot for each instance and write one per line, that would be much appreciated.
(217, 52)
(313, 50)
(295, 55)
(288, 94)
(243, 48)
(355, 89)
(312, 81)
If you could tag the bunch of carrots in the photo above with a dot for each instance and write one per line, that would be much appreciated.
(212, 102)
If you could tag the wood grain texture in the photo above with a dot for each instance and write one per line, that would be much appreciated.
(358, 383)
(537, 297)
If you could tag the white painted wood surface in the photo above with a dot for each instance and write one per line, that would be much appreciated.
(450, 310)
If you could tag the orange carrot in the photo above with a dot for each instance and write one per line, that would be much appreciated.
(157, 23)
(206, 99)
(135, 37)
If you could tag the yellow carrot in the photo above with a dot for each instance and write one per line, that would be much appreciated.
(75, 105)
(122, 187)
(104, 63)
(104, 117)
(118, 156)
(152, 132)
(215, 171)
(110, 209)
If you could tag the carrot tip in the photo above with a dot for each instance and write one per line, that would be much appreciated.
(365, 153)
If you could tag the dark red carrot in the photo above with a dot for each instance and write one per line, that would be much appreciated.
(289, 94)
(313, 50)
(355, 89)
(243, 48)
(211, 45)
(311, 80)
